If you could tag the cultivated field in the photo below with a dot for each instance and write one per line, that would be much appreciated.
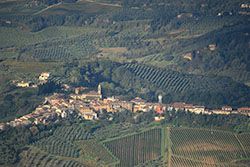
(159, 146)
(136, 149)
(209, 147)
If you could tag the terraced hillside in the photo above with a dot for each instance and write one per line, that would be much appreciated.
(149, 146)
(33, 157)
(184, 87)
(68, 146)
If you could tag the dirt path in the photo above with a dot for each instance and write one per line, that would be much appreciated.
(241, 145)
(101, 3)
(169, 145)
(51, 6)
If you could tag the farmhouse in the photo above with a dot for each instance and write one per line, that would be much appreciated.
(23, 84)
(212, 47)
(188, 56)
(44, 76)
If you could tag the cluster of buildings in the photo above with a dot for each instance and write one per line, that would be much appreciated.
(87, 104)
(225, 110)
(245, 6)
(43, 78)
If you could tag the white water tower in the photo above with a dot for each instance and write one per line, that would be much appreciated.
(160, 99)
(99, 89)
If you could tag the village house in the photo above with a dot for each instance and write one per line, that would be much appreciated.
(2, 126)
(83, 109)
(227, 108)
(222, 112)
(19, 122)
(139, 104)
(23, 84)
(44, 76)
(197, 109)
(92, 95)
(99, 105)
(188, 56)
(79, 90)
(126, 105)
(56, 99)
(138, 100)
(159, 118)
(212, 47)
(66, 87)
(46, 118)
(140, 107)
(86, 112)
(245, 6)
(184, 15)
(159, 108)
(187, 107)
(177, 106)
(244, 110)
(90, 116)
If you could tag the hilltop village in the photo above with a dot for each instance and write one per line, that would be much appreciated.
(87, 105)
